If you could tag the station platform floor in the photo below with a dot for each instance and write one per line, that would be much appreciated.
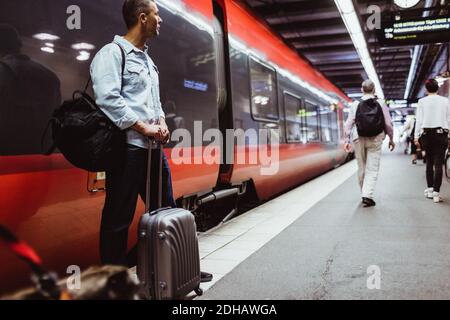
(318, 242)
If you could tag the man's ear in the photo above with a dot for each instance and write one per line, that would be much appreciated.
(143, 17)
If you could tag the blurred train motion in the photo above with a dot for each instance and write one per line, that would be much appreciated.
(218, 64)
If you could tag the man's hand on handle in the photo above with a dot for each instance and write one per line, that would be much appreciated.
(149, 130)
(154, 131)
(165, 130)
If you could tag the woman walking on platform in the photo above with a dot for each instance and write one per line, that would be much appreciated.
(433, 118)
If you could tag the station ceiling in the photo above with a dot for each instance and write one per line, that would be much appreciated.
(315, 29)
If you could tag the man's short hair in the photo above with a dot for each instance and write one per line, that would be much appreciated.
(10, 42)
(432, 85)
(131, 9)
(368, 86)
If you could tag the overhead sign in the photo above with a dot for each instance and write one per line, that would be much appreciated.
(411, 32)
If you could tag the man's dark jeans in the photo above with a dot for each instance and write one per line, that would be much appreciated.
(123, 185)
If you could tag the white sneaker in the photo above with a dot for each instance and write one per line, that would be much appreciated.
(428, 192)
(436, 197)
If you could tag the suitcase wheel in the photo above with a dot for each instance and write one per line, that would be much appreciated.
(198, 291)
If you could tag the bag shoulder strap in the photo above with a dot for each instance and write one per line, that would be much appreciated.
(361, 102)
(122, 53)
(370, 102)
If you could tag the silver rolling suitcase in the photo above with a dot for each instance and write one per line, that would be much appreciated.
(168, 265)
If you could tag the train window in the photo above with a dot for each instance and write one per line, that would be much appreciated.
(294, 115)
(334, 124)
(312, 122)
(263, 85)
(45, 62)
(325, 124)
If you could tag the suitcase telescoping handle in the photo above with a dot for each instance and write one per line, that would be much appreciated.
(153, 145)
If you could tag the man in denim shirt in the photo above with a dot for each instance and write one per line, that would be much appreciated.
(132, 102)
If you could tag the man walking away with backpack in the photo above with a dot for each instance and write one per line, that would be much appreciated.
(368, 123)
(433, 121)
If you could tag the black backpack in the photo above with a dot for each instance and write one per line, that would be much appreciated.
(369, 118)
(86, 137)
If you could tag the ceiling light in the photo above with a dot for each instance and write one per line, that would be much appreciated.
(45, 36)
(355, 95)
(345, 6)
(351, 21)
(83, 56)
(83, 46)
(415, 58)
(48, 49)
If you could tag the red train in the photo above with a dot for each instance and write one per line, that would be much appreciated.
(218, 64)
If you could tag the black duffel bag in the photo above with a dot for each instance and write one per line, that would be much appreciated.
(86, 137)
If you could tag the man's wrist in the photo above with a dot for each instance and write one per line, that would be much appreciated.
(141, 127)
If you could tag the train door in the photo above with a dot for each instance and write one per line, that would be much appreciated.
(224, 100)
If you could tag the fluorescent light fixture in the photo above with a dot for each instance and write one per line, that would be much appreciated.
(49, 44)
(412, 69)
(45, 36)
(346, 7)
(351, 21)
(416, 55)
(48, 49)
(360, 41)
(83, 46)
(355, 95)
(83, 56)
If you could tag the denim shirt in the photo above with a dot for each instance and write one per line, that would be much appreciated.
(131, 98)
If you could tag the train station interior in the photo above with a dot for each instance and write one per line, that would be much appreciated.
(317, 241)
(326, 243)
(297, 70)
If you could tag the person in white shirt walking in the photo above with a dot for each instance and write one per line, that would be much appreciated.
(408, 133)
(433, 119)
(369, 121)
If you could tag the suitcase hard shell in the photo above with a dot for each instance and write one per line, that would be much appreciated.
(168, 260)
(168, 265)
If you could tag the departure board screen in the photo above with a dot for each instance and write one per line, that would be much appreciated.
(410, 32)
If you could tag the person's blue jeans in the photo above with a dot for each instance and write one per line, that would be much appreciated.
(123, 185)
